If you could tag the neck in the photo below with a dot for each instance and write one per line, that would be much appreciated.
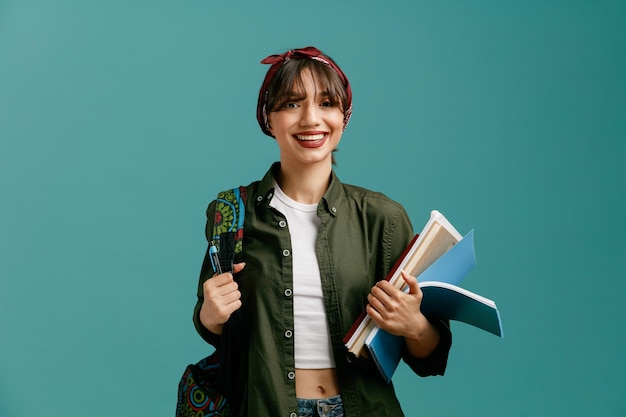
(305, 185)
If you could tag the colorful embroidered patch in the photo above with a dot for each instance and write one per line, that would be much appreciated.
(196, 397)
(230, 212)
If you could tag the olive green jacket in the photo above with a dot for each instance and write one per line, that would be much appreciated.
(362, 235)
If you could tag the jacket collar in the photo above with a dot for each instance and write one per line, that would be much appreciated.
(331, 201)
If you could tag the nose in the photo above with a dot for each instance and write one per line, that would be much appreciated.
(310, 115)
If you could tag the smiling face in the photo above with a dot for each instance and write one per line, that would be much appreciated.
(307, 123)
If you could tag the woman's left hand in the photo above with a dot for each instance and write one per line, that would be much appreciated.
(399, 313)
(395, 311)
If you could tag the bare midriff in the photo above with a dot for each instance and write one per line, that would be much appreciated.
(316, 383)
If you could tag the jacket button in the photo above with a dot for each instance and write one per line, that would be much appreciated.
(282, 224)
(291, 375)
(288, 292)
(286, 252)
(288, 333)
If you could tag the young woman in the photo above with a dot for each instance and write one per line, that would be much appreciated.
(315, 255)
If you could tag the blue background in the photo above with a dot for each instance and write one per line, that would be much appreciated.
(118, 120)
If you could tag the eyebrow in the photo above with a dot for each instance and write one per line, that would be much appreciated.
(297, 96)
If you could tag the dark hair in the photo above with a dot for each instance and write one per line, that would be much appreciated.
(289, 77)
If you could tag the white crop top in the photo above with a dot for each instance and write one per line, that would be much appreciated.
(311, 334)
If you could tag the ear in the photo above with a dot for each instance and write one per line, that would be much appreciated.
(269, 126)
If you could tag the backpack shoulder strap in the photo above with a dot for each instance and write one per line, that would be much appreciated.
(230, 212)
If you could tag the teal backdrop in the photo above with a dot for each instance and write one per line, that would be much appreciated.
(120, 120)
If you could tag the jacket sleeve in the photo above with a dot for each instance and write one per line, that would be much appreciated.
(205, 273)
(435, 363)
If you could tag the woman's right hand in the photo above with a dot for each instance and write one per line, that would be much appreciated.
(221, 299)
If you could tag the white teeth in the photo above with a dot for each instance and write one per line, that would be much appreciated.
(319, 136)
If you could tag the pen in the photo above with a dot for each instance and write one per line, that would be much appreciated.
(215, 259)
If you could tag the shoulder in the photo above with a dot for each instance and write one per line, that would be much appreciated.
(359, 192)
(242, 195)
(373, 200)
(339, 190)
(376, 208)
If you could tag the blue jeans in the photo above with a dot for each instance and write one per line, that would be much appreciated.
(327, 407)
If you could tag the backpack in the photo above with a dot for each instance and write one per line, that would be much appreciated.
(197, 392)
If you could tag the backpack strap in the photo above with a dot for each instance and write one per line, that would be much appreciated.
(230, 212)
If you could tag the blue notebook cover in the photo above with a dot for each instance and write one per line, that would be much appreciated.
(444, 299)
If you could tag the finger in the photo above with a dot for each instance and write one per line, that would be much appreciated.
(386, 300)
(386, 288)
(380, 298)
(374, 314)
(414, 287)
(234, 306)
(238, 267)
(411, 282)
(219, 286)
(221, 279)
(376, 303)
(224, 290)
(231, 297)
